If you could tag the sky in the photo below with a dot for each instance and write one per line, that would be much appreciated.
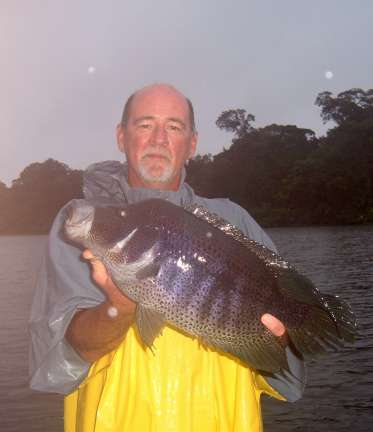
(66, 68)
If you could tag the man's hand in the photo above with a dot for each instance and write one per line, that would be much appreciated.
(104, 281)
(276, 327)
(95, 331)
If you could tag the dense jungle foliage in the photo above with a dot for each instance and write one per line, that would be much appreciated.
(282, 174)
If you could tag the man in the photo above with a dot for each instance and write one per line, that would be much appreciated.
(83, 341)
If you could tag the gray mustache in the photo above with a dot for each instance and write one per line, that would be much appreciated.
(163, 154)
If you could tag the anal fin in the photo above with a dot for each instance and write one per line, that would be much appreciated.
(149, 324)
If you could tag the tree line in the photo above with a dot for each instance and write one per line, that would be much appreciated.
(282, 174)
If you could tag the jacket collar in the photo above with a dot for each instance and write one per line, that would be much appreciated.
(108, 180)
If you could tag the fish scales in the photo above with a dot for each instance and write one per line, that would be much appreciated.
(211, 303)
(196, 272)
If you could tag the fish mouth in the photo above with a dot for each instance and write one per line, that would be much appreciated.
(79, 220)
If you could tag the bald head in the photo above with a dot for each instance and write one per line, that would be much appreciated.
(155, 90)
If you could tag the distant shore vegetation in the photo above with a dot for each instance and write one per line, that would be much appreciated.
(282, 175)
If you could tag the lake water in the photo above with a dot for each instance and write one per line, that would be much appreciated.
(339, 394)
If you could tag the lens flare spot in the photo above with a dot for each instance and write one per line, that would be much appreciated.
(112, 312)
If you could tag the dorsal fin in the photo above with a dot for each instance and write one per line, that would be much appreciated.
(226, 227)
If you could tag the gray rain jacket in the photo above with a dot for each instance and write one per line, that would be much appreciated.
(64, 284)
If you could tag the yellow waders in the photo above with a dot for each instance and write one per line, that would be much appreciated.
(181, 387)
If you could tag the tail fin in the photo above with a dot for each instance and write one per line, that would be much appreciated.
(327, 328)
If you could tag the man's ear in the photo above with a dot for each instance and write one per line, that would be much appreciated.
(193, 145)
(121, 138)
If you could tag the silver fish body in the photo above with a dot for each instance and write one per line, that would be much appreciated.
(191, 269)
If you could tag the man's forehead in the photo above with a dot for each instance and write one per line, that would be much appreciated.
(162, 100)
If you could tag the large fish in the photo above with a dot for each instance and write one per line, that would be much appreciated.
(192, 270)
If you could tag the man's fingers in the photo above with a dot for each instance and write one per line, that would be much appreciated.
(96, 263)
(274, 325)
(87, 254)
(101, 277)
(99, 273)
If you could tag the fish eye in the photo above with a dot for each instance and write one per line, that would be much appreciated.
(122, 213)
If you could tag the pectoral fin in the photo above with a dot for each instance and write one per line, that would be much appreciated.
(149, 324)
(119, 246)
(150, 270)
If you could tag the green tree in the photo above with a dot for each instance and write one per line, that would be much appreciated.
(199, 174)
(236, 121)
(354, 105)
(334, 185)
(349, 146)
(4, 207)
(39, 192)
(251, 172)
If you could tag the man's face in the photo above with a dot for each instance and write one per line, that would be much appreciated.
(158, 138)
